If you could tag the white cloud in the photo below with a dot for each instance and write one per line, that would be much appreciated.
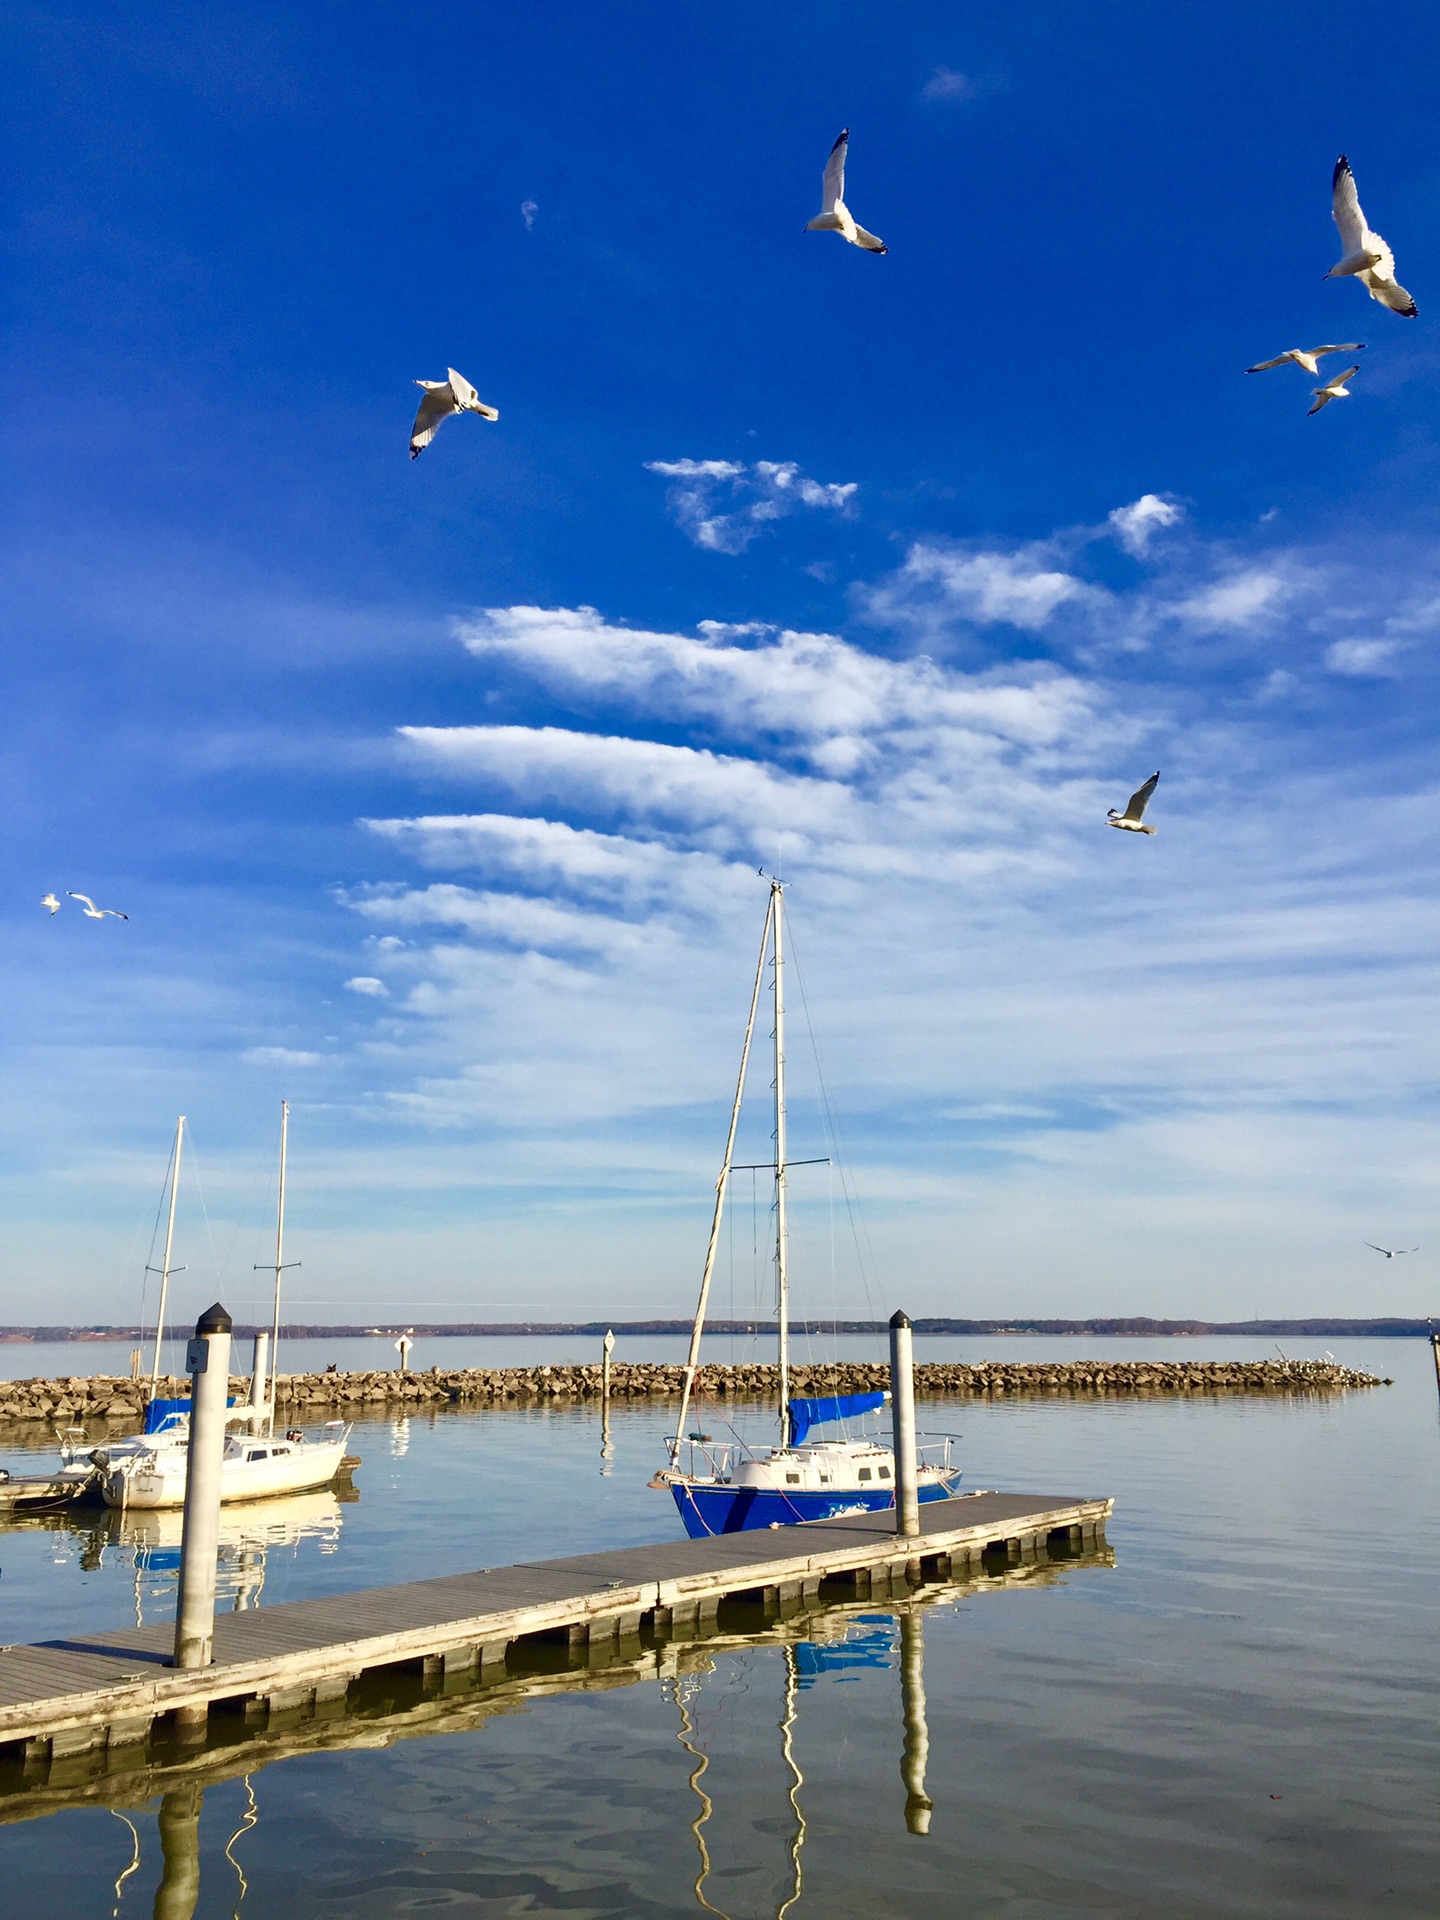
(831, 696)
(945, 83)
(368, 986)
(719, 795)
(1362, 658)
(1136, 525)
(768, 490)
(939, 585)
(528, 211)
(282, 1057)
(1241, 600)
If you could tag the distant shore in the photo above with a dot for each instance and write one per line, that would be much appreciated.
(1139, 1329)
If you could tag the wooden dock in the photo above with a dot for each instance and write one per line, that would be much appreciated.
(98, 1694)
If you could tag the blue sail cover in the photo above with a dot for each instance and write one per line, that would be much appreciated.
(805, 1414)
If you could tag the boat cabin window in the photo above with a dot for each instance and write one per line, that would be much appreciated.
(884, 1473)
(277, 1451)
(792, 1479)
(258, 1453)
(865, 1473)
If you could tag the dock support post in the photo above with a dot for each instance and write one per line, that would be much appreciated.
(207, 1360)
(1435, 1349)
(902, 1408)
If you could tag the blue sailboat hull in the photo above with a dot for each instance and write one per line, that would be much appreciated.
(708, 1510)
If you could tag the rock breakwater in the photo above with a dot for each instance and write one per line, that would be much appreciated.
(76, 1400)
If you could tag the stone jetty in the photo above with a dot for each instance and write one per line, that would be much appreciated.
(81, 1400)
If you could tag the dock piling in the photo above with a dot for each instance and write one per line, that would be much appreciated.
(902, 1409)
(1435, 1349)
(260, 1368)
(207, 1360)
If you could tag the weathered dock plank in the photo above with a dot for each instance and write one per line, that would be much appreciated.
(72, 1692)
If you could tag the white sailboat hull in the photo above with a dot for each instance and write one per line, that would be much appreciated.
(158, 1479)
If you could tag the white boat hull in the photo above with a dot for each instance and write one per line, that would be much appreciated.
(158, 1480)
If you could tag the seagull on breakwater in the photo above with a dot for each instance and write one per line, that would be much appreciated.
(1390, 1252)
(1307, 357)
(1135, 810)
(52, 903)
(1335, 389)
(442, 398)
(834, 216)
(92, 912)
(1366, 255)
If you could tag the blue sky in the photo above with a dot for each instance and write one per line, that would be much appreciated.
(899, 571)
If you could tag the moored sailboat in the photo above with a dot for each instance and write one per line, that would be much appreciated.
(148, 1470)
(731, 1487)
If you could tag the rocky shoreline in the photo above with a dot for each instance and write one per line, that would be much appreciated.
(76, 1400)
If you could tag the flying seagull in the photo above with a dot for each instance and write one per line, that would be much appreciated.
(92, 912)
(834, 216)
(1306, 357)
(1366, 254)
(442, 398)
(1135, 811)
(1335, 389)
(52, 903)
(1390, 1252)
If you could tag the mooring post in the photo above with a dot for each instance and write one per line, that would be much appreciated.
(902, 1410)
(607, 1451)
(402, 1347)
(260, 1369)
(1435, 1348)
(207, 1361)
(918, 1805)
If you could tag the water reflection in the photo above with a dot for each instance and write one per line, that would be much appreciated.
(820, 1647)
(147, 1544)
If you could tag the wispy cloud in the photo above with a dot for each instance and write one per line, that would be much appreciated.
(367, 986)
(722, 505)
(528, 211)
(282, 1057)
(947, 83)
(1362, 658)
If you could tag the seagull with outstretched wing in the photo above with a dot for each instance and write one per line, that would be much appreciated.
(834, 216)
(1366, 255)
(1133, 817)
(1390, 1252)
(52, 903)
(1307, 357)
(92, 912)
(1334, 389)
(442, 398)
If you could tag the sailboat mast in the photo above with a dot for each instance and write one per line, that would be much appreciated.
(169, 1245)
(279, 1256)
(782, 1249)
(722, 1187)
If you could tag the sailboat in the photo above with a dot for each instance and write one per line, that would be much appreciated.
(732, 1488)
(149, 1470)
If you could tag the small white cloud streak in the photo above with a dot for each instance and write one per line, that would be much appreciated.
(282, 1057)
(528, 211)
(1370, 659)
(769, 490)
(946, 83)
(367, 986)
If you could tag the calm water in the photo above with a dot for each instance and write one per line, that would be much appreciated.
(1238, 1717)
